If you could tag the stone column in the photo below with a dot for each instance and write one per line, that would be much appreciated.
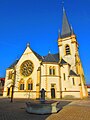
(38, 83)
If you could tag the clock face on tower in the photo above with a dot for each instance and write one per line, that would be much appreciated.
(26, 68)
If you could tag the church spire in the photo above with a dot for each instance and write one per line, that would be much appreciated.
(72, 31)
(59, 35)
(66, 29)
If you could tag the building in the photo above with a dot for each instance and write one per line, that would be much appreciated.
(2, 81)
(88, 89)
(61, 74)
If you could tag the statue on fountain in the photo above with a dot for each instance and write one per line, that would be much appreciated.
(42, 106)
(42, 99)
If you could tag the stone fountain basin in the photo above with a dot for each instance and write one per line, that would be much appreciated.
(46, 107)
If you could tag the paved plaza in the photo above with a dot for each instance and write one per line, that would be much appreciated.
(71, 110)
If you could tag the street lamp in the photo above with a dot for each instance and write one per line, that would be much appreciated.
(13, 84)
(12, 93)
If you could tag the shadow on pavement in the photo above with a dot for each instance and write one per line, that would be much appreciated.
(16, 110)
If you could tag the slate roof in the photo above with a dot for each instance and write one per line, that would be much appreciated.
(48, 58)
(72, 73)
(37, 55)
(66, 28)
(63, 62)
(51, 58)
(12, 65)
(56, 56)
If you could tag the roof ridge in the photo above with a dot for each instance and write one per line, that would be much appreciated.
(50, 58)
(13, 64)
(51, 54)
(53, 57)
(36, 54)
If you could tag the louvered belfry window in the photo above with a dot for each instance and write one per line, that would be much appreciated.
(67, 49)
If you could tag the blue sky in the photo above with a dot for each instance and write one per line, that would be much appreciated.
(37, 22)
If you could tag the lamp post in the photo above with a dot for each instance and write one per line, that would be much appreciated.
(13, 84)
(12, 93)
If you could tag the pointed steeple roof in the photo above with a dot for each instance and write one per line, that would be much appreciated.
(59, 35)
(66, 28)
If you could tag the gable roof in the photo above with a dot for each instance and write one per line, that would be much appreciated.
(13, 64)
(37, 55)
(16, 61)
(48, 58)
(56, 56)
(51, 58)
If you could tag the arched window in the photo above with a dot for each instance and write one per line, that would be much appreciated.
(21, 84)
(29, 84)
(53, 70)
(67, 50)
(50, 70)
(10, 75)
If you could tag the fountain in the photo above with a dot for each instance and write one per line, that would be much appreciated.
(42, 106)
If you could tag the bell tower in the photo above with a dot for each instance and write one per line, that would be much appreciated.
(67, 43)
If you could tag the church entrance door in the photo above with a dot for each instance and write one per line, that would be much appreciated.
(8, 92)
(52, 92)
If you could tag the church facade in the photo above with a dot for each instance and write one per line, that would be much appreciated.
(60, 75)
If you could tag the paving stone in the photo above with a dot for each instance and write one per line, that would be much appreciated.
(72, 113)
(71, 110)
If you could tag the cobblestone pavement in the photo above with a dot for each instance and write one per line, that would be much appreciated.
(75, 110)
(16, 110)
(72, 113)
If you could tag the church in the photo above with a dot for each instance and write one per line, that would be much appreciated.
(61, 75)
